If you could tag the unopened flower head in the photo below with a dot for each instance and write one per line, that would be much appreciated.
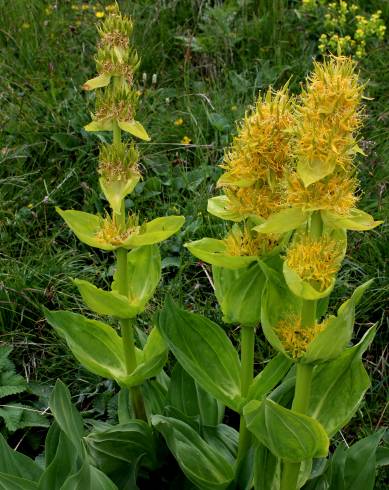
(328, 117)
(115, 30)
(295, 337)
(116, 104)
(111, 232)
(244, 242)
(334, 193)
(262, 144)
(316, 261)
(118, 162)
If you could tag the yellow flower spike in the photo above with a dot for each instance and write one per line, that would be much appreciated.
(327, 119)
(294, 337)
(262, 144)
(243, 242)
(311, 264)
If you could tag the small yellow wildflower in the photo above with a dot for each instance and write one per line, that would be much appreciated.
(179, 122)
(295, 337)
(315, 260)
(110, 8)
(100, 14)
(75, 7)
(84, 6)
(26, 25)
(30, 206)
(186, 140)
(234, 108)
(138, 93)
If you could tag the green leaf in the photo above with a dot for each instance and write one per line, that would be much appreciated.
(356, 220)
(224, 439)
(155, 231)
(100, 481)
(17, 464)
(215, 252)
(80, 480)
(100, 125)
(311, 170)
(201, 464)
(113, 449)
(66, 415)
(289, 435)
(115, 191)
(220, 207)
(144, 274)
(154, 358)
(269, 377)
(332, 341)
(267, 469)
(360, 466)
(85, 226)
(105, 302)
(97, 82)
(135, 128)
(94, 344)
(338, 387)
(11, 482)
(204, 350)
(61, 463)
(283, 221)
(239, 293)
(188, 397)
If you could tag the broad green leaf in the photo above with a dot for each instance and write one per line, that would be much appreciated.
(356, 220)
(113, 449)
(80, 480)
(154, 358)
(105, 302)
(11, 482)
(332, 341)
(155, 231)
(283, 221)
(338, 387)
(204, 350)
(201, 464)
(94, 344)
(269, 377)
(154, 396)
(239, 293)
(125, 410)
(224, 439)
(215, 252)
(17, 464)
(220, 207)
(267, 469)
(97, 82)
(66, 415)
(61, 464)
(100, 481)
(289, 435)
(360, 466)
(144, 274)
(115, 191)
(135, 128)
(188, 397)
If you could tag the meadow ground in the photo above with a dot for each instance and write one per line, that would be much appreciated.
(210, 60)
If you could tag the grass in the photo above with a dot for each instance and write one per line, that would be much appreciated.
(210, 62)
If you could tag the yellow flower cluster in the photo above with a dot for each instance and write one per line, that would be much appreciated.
(295, 337)
(259, 156)
(243, 242)
(118, 162)
(316, 261)
(111, 232)
(328, 118)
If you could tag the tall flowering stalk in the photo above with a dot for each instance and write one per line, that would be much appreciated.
(138, 264)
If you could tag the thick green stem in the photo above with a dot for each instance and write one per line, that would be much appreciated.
(247, 373)
(302, 393)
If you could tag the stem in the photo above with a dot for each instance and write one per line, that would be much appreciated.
(302, 393)
(246, 376)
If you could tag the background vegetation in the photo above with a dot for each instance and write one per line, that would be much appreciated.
(203, 63)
